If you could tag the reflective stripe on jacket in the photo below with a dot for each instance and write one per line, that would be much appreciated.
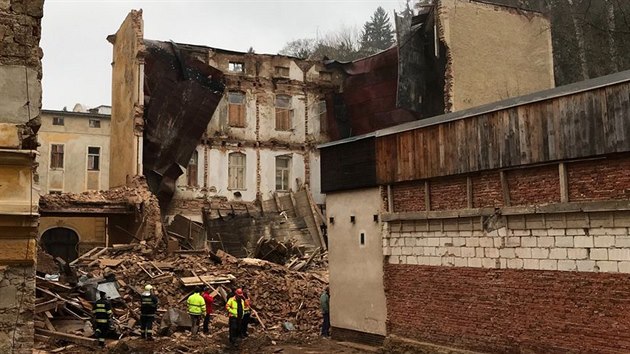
(232, 306)
(102, 311)
(196, 304)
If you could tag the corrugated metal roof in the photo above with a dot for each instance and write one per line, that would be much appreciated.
(566, 90)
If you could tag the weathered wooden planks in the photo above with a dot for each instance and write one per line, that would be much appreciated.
(578, 125)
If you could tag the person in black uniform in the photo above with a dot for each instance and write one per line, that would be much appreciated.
(148, 308)
(102, 312)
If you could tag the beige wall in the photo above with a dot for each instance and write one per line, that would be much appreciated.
(494, 52)
(356, 272)
(127, 99)
(91, 230)
(76, 136)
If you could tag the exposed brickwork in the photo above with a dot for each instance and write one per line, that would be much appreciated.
(409, 196)
(509, 311)
(487, 190)
(448, 193)
(599, 179)
(538, 185)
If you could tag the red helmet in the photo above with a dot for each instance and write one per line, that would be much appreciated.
(239, 292)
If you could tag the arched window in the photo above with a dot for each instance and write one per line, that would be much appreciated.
(61, 242)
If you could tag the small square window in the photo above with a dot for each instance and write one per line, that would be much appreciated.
(95, 123)
(282, 71)
(236, 67)
(58, 121)
(325, 75)
(353, 219)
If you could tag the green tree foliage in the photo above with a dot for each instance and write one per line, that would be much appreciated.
(378, 33)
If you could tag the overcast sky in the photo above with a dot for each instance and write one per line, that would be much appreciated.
(77, 57)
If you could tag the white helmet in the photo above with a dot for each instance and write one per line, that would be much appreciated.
(148, 287)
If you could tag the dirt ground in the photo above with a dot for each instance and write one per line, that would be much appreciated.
(217, 343)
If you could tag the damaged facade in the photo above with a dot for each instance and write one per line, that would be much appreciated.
(249, 132)
(20, 104)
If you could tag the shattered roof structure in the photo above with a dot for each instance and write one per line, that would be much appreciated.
(181, 94)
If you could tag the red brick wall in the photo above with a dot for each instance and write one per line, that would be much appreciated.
(408, 196)
(537, 185)
(487, 192)
(599, 179)
(602, 179)
(510, 311)
(448, 193)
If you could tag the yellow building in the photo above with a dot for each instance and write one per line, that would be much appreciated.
(74, 157)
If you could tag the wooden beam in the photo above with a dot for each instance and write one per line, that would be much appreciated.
(505, 188)
(68, 337)
(390, 199)
(427, 195)
(564, 183)
(469, 192)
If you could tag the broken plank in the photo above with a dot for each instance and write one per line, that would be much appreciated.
(108, 262)
(85, 255)
(58, 350)
(46, 306)
(200, 280)
(68, 337)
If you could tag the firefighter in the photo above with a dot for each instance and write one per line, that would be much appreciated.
(102, 312)
(148, 308)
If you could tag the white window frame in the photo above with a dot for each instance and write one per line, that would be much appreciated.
(96, 121)
(236, 67)
(99, 157)
(235, 169)
(284, 173)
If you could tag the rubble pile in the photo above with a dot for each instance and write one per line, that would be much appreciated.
(282, 298)
(135, 195)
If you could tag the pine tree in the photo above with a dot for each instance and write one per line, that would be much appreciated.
(377, 33)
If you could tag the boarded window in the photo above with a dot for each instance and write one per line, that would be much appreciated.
(283, 173)
(236, 109)
(236, 67)
(282, 71)
(236, 171)
(95, 123)
(323, 124)
(283, 112)
(191, 170)
(58, 121)
(94, 157)
(56, 156)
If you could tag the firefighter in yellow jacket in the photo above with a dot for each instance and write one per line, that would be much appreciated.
(235, 307)
(196, 309)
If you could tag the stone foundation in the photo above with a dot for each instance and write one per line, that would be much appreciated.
(17, 297)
